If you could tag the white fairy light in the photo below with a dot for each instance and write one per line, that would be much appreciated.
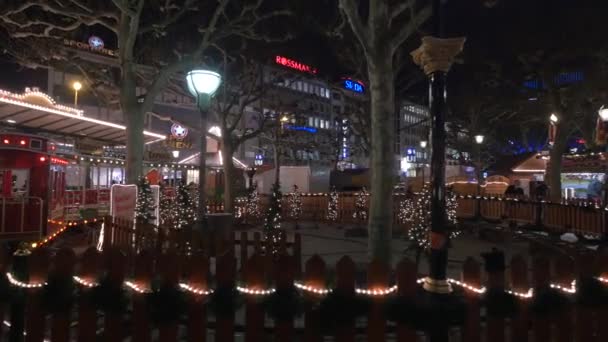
(21, 284)
(84, 282)
(255, 292)
(312, 289)
(194, 290)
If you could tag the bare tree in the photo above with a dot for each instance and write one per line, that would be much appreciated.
(381, 29)
(168, 37)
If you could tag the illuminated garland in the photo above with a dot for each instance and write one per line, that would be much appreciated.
(272, 222)
(332, 205)
(361, 205)
(295, 203)
(418, 214)
(145, 206)
(374, 292)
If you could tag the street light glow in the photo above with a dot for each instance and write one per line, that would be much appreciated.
(175, 153)
(553, 118)
(77, 85)
(423, 144)
(203, 82)
(284, 118)
(479, 139)
(603, 112)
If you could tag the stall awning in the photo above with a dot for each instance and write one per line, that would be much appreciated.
(36, 110)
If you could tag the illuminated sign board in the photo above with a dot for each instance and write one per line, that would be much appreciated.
(354, 86)
(301, 128)
(178, 131)
(290, 63)
(95, 44)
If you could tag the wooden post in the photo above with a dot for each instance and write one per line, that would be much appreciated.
(496, 325)
(198, 269)
(564, 270)
(314, 277)
(254, 315)
(345, 274)
(170, 271)
(297, 254)
(377, 277)
(244, 255)
(35, 321)
(406, 282)
(519, 283)
(225, 274)
(87, 316)
(108, 231)
(471, 275)
(143, 276)
(284, 274)
(64, 263)
(541, 273)
(114, 329)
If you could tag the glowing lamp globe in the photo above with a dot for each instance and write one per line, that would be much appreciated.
(423, 144)
(553, 118)
(603, 112)
(77, 85)
(203, 82)
(479, 139)
(175, 153)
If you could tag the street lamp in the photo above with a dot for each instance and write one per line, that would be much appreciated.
(478, 140)
(175, 153)
(423, 145)
(553, 118)
(202, 84)
(76, 86)
(603, 112)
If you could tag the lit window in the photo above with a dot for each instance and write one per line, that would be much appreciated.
(305, 87)
(311, 121)
(299, 85)
(317, 122)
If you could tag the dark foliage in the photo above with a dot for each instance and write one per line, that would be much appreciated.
(225, 301)
(547, 301)
(166, 304)
(284, 304)
(591, 293)
(340, 308)
(500, 304)
(58, 294)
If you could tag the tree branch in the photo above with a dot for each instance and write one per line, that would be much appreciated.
(406, 31)
(349, 7)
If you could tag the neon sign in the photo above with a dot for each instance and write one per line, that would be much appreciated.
(290, 63)
(301, 128)
(354, 86)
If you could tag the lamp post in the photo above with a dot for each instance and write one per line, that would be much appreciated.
(202, 84)
(478, 141)
(76, 86)
(603, 113)
(175, 153)
(423, 145)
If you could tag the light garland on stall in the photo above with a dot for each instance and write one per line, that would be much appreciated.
(332, 205)
(195, 290)
(255, 292)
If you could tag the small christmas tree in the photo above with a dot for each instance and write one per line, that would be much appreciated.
(252, 208)
(361, 205)
(295, 204)
(272, 222)
(332, 205)
(167, 211)
(184, 209)
(145, 207)
(418, 214)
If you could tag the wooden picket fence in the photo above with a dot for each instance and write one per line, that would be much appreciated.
(196, 276)
(576, 217)
(130, 239)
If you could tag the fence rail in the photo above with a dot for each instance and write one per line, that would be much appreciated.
(136, 309)
(576, 217)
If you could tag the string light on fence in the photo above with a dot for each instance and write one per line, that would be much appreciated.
(467, 286)
(21, 284)
(312, 289)
(195, 290)
(136, 287)
(570, 290)
(377, 292)
(526, 295)
(84, 282)
(255, 292)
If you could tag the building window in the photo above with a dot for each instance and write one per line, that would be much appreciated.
(316, 122)
(311, 121)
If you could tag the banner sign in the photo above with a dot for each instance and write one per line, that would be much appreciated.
(122, 201)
